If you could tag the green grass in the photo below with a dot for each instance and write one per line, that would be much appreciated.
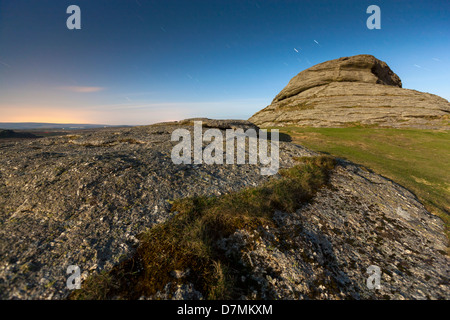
(189, 240)
(416, 159)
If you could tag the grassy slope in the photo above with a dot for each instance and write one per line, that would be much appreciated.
(417, 159)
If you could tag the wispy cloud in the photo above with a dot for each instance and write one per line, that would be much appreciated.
(81, 89)
(202, 105)
(5, 64)
(420, 67)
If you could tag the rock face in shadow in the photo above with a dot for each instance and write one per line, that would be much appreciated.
(10, 134)
(353, 90)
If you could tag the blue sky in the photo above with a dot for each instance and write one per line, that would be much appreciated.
(140, 62)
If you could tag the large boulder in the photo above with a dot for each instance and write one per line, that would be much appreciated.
(352, 90)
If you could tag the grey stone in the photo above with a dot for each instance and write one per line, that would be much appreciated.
(324, 249)
(85, 199)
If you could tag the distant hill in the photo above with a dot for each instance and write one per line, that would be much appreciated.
(12, 134)
(43, 125)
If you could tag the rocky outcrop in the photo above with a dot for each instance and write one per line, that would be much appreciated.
(325, 249)
(84, 199)
(353, 90)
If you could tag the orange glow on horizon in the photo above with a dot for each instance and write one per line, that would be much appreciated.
(83, 116)
(91, 114)
(43, 115)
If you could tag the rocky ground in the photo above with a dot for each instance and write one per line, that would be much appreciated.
(324, 250)
(353, 90)
(83, 199)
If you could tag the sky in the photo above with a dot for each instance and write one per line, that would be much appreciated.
(137, 62)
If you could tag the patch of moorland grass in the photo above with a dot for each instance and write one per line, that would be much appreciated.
(285, 105)
(189, 240)
(416, 159)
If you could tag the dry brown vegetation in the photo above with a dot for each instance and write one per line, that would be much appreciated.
(188, 241)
